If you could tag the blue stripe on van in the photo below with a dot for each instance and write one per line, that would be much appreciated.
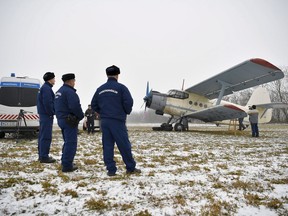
(10, 84)
(30, 85)
(18, 84)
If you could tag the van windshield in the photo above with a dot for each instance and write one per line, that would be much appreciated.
(18, 96)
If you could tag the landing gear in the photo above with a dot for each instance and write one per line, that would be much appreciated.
(181, 125)
(165, 126)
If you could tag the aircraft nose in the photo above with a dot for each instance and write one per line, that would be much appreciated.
(156, 101)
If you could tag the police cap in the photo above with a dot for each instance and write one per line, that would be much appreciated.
(48, 76)
(68, 76)
(112, 70)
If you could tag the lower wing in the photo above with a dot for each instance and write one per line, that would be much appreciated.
(219, 113)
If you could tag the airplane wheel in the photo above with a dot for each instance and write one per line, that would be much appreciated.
(2, 135)
(179, 127)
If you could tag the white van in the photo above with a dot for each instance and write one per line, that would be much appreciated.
(18, 105)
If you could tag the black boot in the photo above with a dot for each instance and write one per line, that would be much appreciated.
(47, 160)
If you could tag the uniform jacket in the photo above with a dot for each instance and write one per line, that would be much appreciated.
(67, 102)
(112, 100)
(90, 114)
(253, 116)
(45, 100)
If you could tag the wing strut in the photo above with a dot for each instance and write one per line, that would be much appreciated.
(224, 86)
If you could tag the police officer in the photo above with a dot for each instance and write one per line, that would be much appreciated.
(90, 115)
(45, 108)
(68, 112)
(114, 102)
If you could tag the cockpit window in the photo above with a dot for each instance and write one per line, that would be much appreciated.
(178, 94)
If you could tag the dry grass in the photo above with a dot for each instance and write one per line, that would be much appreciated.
(206, 171)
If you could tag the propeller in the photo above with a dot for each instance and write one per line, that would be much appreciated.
(147, 89)
(148, 97)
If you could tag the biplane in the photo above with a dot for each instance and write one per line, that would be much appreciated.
(203, 101)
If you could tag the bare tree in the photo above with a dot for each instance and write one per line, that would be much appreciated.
(240, 97)
(279, 93)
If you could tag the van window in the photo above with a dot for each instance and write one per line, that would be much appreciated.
(18, 96)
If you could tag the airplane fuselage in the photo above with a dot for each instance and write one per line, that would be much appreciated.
(181, 107)
(179, 103)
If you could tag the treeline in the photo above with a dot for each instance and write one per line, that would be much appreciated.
(278, 93)
(147, 116)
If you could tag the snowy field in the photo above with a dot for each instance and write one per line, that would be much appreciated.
(206, 171)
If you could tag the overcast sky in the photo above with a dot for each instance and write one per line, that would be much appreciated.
(160, 41)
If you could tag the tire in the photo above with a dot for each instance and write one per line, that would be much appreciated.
(2, 135)
(179, 127)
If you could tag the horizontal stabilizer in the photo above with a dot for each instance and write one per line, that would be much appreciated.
(276, 105)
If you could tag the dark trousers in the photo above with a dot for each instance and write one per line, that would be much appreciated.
(45, 136)
(115, 131)
(90, 125)
(241, 125)
(255, 131)
(70, 143)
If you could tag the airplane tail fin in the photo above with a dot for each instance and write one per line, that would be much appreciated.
(261, 98)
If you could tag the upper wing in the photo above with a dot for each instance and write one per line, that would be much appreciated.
(219, 113)
(250, 73)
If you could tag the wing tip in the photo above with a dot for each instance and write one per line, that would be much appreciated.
(264, 63)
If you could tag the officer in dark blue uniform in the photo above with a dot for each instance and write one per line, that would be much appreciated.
(114, 102)
(68, 112)
(90, 115)
(45, 108)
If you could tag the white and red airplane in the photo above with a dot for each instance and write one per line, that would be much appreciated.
(204, 100)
